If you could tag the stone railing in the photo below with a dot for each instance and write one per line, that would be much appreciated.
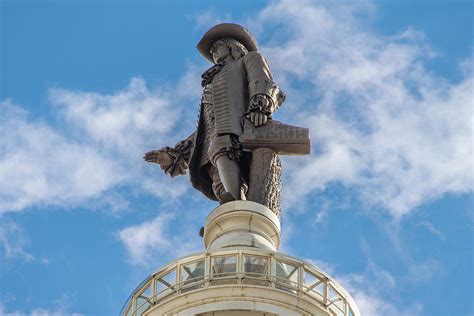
(241, 268)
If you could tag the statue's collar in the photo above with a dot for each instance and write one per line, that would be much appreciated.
(209, 74)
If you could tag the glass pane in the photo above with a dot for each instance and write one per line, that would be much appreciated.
(312, 283)
(286, 271)
(166, 282)
(309, 278)
(224, 266)
(142, 305)
(338, 303)
(159, 287)
(256, 270)
(192, 275)
(351, 313)
(147, 292)
(255, 265)
(143, 300)
(192, 271)
(287, 277)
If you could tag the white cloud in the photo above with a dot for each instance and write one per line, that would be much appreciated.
(14, 240)
(207, 19)
(431, 228)
(150, 241)
(373, 305)
(37, 312)
(124, 125)
(38, 165)
(427, 270)
(15, 244)
(381, 123)
(151, 235)
(46, 312)
(372, 290)
(60, 309)
(375, 297)
(98, 147)
(378, 291)
(123, 122)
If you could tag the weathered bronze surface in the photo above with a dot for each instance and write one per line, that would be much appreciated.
(233, 154)
(284, 139)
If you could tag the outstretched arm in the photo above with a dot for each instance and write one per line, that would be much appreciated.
(173, 160)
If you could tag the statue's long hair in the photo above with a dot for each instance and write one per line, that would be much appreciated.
(237, 50)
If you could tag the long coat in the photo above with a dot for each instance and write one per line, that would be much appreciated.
(232, 88)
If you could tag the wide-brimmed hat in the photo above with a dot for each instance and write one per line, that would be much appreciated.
(226, 30)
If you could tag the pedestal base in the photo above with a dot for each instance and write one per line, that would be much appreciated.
(242, 223)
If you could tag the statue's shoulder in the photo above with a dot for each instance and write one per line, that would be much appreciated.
(254, 60)
(253, 55)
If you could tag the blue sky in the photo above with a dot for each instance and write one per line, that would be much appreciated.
(384, 203)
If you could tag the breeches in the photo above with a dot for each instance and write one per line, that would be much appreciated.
(224, 145)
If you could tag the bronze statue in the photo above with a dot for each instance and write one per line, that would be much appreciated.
(236, 141)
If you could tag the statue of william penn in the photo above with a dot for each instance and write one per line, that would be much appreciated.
(238, 90)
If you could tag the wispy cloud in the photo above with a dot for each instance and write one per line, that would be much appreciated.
(381, 123)
(15, 244)
(431, 228)
(122, 122)
(14, 241)
(373, 305)
(124, 125)
(374, 296)
(147, 237)
(372, 290)
(60, 308)
(37, 312)
(39, 165)
(98, 148)
(151, 241)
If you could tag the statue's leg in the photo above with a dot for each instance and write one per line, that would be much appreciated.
(217, 186)
(224, 152)
(229, 174)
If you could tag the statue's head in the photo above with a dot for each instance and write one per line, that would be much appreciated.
(225, 47)
(236, 38)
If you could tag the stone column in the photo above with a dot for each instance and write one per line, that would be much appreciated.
(242, 223)
(265, 179)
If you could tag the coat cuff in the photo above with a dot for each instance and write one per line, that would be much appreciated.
(270, 90)
(261, 103)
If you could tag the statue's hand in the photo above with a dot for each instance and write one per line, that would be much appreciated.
(257, 118)
(169, 160)
(161, 157)
(260, 109)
